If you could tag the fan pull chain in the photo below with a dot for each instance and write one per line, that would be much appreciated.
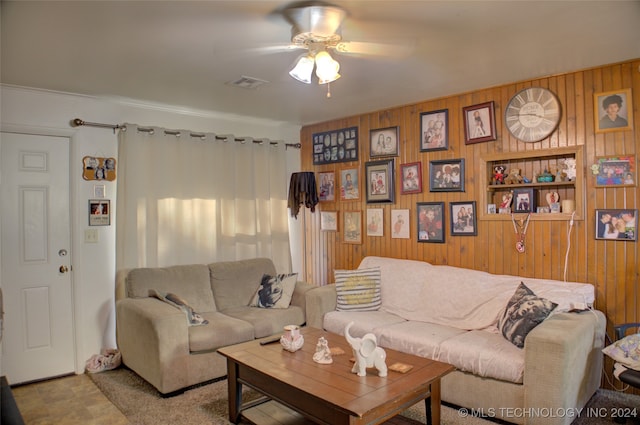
(328, 90)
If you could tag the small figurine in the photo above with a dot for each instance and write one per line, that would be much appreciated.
(292, 340)
(323, 353)
(367, 353)
(514, 177)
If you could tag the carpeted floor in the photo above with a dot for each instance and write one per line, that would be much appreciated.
(207, 404)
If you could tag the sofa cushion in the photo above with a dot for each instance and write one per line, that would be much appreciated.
(363, 321)
(358, 290)
(234, 282)
(274, 291)
(189, 282)
(523, 312)
(270, 321)
(417, 338)
(221, 331)
(485, 354)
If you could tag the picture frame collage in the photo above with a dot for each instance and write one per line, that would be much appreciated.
(444, 175)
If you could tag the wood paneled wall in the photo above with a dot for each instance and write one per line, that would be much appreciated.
(611, 266)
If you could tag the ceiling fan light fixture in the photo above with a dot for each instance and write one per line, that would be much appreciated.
(303, 69)
(326, 67)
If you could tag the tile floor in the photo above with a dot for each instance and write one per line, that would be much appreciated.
(70, 400)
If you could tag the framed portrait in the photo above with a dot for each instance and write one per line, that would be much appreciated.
(618, 170)
(446, 175)
(613, 111)
(380, 181)
(430, 217)
(335, 146)
(99, 191)
(384, 142)
(349, 184)
(479, 123)
(352, 227)
(98, 168)
(326, 186)
(400, 224)
(328, 221)
(375, 223)
(617, 224)
(463, 218)
(411, 178)
(524, 200)
(434, 130)
(99, 212)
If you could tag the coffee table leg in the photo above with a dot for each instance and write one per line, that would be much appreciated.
(435, 402)
(235, 392)
(427, 408)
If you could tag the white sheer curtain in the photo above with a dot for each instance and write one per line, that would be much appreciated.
(187, 198)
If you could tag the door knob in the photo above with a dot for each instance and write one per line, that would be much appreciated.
(63, 269)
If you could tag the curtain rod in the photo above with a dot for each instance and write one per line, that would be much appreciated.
(77, 122)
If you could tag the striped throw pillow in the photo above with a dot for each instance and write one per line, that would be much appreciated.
(358, 290)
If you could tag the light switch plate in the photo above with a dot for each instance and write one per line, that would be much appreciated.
(91, 236)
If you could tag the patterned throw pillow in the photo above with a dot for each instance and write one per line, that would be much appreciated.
(358, 290)
(524, 312)
(275, 291)
(625, 351)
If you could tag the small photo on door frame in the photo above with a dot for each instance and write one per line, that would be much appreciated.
(99, 212)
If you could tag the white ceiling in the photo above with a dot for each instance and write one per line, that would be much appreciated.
(183, 53)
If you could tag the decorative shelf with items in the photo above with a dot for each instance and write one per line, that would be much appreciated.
(547, 183)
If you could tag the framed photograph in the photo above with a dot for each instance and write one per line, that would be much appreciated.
(349, 184)
(479, 123)
(430, 222)
(352, 224)
(328, 221)
(612, 111)
(335, 146)
(400, 224)
(619, 170)
(617, 224)
(98, 168)
(446, 175)
(326, 186)
(462, 216)
(524, 200)
(384, 142)
(99, 191)
(434, 131)
(411, 178)
(375, 223)
(99, 212)
(380, 181)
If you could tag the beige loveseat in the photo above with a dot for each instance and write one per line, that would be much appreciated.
(155, 338)
(451, 314)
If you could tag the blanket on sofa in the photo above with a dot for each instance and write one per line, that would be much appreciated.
(462, 298)
(193, 318)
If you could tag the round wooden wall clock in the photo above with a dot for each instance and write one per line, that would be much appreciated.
(532, 114)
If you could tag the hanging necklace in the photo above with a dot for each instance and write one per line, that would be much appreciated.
(521, 230)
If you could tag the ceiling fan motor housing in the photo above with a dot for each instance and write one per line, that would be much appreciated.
(316, 24)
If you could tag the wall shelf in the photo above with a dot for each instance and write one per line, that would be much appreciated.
(531, 163)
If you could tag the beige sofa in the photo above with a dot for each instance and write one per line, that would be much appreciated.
(155, 338)
(451, 314)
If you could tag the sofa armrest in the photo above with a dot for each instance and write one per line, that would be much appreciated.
(320, 300)
(153, 338)
(563, 362)
(299, 298)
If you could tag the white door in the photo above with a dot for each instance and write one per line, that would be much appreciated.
(38, 338)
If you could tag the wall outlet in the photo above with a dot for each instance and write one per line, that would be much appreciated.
(91, 236)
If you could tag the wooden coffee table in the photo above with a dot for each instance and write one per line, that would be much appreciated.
(331, 394)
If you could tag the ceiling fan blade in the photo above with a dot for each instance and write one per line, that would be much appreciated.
(360, 48)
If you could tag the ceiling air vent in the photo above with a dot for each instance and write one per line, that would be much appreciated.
(248, 82)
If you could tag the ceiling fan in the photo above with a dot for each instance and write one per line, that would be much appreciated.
(317, 28)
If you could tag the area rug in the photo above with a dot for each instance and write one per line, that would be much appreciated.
(207, 404)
